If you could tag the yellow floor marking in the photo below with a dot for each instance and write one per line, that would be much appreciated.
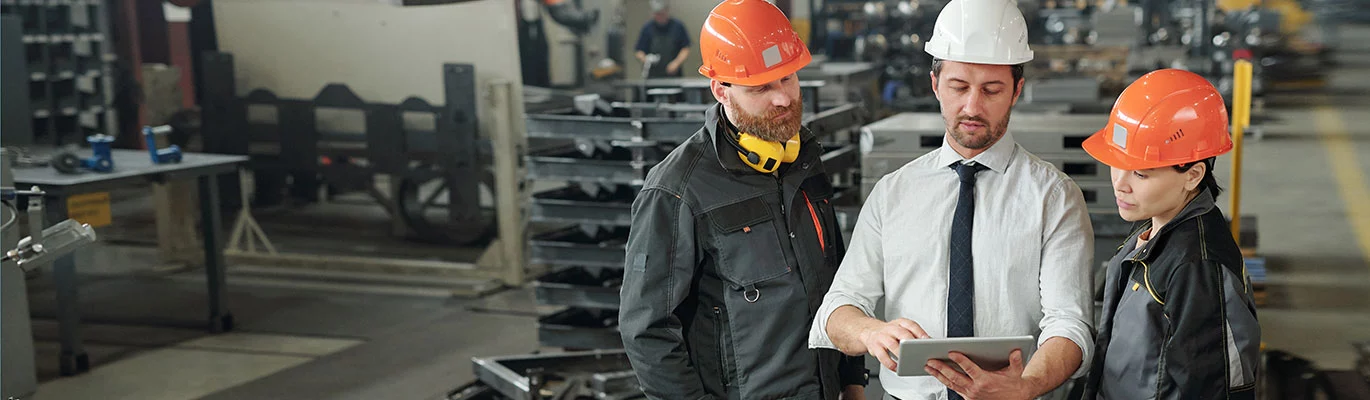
(1345, 167)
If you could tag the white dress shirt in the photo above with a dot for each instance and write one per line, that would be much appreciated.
(1032, 245)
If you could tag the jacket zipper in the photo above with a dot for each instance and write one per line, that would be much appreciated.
(780, 187)
(817, 227)
(722, 357)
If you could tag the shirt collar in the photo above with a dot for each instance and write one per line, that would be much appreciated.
(997, 157)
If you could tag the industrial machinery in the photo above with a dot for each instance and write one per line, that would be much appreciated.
(167, 155)
(101, 160)
(428, 155)
(1086, 51)
(598, 374)
(54, 241)
(534, 48)
(22, 256)
(889, 34)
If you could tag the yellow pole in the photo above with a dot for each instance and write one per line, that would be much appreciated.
(1241, 118)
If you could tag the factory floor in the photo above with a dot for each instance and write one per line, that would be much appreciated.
(1305, 179)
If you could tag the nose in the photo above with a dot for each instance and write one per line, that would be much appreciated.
(780, 99)
(1121, 183)
(974, 106)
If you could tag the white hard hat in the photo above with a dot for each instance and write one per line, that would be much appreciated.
(980, 32)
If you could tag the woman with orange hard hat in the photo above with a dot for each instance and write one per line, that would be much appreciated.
(1178, 320)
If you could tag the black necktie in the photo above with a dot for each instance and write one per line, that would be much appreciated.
(961, 277)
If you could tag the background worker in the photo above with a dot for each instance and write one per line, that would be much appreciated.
(666, 38)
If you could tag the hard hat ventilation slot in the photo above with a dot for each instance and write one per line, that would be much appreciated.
(1179, 133)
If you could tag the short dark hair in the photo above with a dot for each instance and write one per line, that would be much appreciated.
(1209, 181)
(1015, 69)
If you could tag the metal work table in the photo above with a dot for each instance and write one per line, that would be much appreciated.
(131, 168)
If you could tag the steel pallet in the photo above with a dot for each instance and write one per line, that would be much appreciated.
(579, 328)
(571, 247)
(607, 373)
(573, 206)
(578, 287)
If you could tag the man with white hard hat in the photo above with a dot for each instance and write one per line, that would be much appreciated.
(978, 238)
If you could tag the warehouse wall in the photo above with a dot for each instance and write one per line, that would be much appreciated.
(385, 53)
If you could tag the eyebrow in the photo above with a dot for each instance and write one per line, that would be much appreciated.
(959, 80)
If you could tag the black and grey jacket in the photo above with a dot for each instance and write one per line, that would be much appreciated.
(725, 269)
(1178, 320)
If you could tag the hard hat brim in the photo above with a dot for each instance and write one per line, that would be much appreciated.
(1097, 146)
(962, 58)
(765, 77)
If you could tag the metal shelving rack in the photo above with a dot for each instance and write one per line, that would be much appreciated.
(603, 161)
(68, 57)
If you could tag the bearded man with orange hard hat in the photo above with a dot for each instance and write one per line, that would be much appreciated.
(734, 239)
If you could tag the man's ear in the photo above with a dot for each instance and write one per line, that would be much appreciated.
(1018, 91)
(935, 94)
(720, 92)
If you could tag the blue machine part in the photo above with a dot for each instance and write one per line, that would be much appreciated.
(102, 160)
(171, 154)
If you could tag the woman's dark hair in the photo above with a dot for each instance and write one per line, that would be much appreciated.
(1209, 181)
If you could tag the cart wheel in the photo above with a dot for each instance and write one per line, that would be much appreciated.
(426, 207)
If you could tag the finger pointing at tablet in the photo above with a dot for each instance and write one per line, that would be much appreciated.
(913, 328)
(882, 340)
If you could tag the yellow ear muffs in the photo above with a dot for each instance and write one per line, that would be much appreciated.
(766, 156)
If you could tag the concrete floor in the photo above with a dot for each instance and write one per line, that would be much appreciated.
(1305, 179)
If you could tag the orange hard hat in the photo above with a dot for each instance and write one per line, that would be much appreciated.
(1167, 117)
(750, 43)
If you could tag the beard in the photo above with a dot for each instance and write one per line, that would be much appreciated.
(969, 141)
(765, 126)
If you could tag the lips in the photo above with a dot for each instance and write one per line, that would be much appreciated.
(1125, 205)
(968, 125)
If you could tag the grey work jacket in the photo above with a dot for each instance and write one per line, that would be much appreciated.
(726, 267)
(1178, 321)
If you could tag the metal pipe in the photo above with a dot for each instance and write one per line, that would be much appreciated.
(1241, 118)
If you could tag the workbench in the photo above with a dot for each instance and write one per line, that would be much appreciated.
(131, 168)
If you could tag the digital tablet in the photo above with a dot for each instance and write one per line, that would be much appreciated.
(990, 353)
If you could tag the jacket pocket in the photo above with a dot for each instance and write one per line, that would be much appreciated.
(747, 241)
(764, 340)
